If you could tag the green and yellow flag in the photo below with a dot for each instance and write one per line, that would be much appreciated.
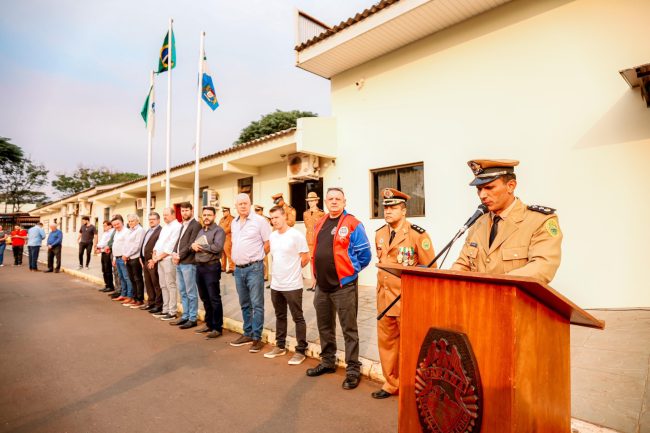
(163, 60)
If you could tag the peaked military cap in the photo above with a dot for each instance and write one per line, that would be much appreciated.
(225, 208)
(487, 170)
(393, 197)
(258, 207)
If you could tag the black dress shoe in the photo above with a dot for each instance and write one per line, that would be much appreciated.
(115, 295)
(178, 322)
(351, 382)
(381, 394)
(49, 270)
(187, 325)
(320, 369)
(155, 310)
(202, 330)
(108, 290)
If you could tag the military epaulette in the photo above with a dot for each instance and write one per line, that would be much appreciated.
(381, 227)
(417, 228)
(541, 209)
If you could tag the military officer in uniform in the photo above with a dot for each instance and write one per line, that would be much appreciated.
(226, 257)
(512, 238)
(260, 211)
(397, 242)
(310, 217)
(289, 210)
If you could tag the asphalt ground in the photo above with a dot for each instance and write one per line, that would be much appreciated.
(72, 361)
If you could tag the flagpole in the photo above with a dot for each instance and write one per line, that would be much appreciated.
(149, 146)
(197, 146)
(169, 114)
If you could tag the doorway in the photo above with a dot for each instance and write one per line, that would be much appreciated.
(299, 191)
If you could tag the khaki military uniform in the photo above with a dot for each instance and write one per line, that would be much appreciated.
(389, 287)
(226, 257)
(310, 219)
(266, 256)
(290, 212)
(528, 243)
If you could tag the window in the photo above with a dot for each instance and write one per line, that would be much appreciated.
(299, 191)
(245, 186)
(406, 178)
(107, 214)
(74, 224)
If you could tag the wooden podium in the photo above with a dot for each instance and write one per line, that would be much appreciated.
(518, 330)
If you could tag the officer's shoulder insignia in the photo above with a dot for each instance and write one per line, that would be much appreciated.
(417, 228)
(381, 227)
(551, 227)
(541, 209)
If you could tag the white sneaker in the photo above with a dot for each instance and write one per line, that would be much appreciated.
(275, 352)
(296, 359)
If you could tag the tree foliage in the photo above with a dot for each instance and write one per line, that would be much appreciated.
(9, 153)
(20, 183)
(270, 123)
(85, 177)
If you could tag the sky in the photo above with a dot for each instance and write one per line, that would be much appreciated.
(75, 75)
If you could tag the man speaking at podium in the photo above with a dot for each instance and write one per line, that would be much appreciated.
(512, 238)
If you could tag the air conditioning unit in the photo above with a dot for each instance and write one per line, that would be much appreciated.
(209, 197)
(141, 203)
(302, 166)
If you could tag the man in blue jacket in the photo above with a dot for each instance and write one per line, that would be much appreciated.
(341, 251)
(54, 241)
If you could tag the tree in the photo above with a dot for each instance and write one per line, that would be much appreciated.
(270, 123)
(20, 183)
(85, 177)
(9, 152)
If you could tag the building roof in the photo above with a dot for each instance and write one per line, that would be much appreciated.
(385, 27)
(223, 152)
(345, 24)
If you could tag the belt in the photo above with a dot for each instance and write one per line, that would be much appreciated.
(247, 264)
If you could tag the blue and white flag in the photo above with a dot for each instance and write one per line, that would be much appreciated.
(208, 94)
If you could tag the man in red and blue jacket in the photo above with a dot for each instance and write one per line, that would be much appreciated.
(341, 251)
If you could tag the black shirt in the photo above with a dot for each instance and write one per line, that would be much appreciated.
(326, 277)
(88, 233)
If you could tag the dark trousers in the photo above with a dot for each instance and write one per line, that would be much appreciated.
(345, 303)
(107, 270)
(33, 256)
(207, 280)
(134, 268)
(51, 254)
(87, 247)
(152, 284)
(18, 254)
(292, 299)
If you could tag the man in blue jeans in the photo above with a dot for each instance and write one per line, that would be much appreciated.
(250, 242)
(35, 236)
(120, 240)
(3, 245)
(183, 258)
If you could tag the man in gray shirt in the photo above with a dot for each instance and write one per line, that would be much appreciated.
(208, 247)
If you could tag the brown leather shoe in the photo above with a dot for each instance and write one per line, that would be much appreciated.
(120, 298)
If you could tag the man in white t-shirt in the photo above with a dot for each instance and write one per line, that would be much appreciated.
(290, 254)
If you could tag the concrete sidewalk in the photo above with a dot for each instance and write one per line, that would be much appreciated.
(610, 369)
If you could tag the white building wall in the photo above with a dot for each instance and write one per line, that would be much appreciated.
(536, 81)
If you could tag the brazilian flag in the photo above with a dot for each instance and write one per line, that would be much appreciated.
(163, 60)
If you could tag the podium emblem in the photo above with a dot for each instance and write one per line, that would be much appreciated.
(448, 389)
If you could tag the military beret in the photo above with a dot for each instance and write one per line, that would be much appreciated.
(487, 170)
(393, 197)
